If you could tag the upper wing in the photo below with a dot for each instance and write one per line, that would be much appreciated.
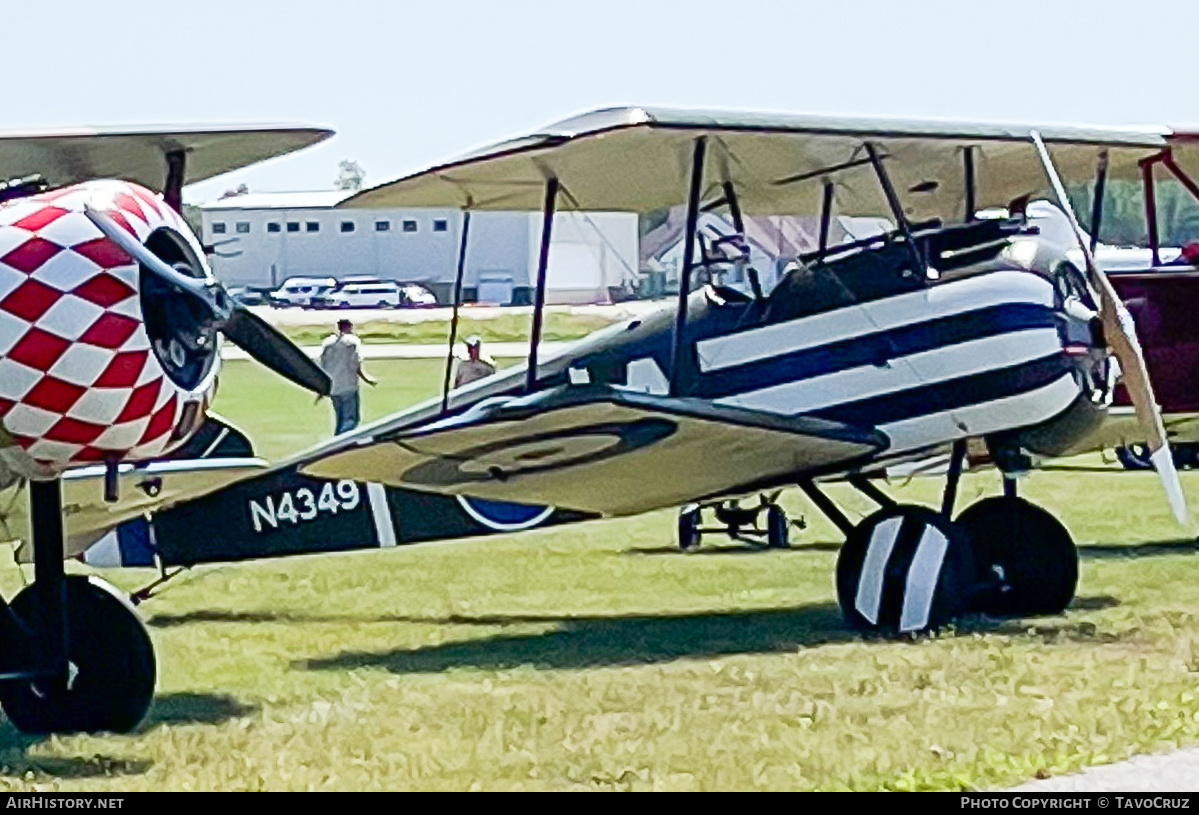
(138, 154)
(87, 515)
(601, 449)
(638, 159)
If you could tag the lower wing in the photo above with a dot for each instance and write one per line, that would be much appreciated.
(601, 449)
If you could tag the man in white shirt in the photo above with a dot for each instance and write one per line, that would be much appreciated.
(475, 366)
(341, 360)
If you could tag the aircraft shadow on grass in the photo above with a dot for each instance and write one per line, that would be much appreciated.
(1116, 551)
(169, 709)
(586, 642)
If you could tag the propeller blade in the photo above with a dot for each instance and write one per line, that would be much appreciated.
(212, 295)
(1120, 332)
(261, 341)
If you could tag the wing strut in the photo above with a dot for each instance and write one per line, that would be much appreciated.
(543, 260)
(896, 206)
(680, 321)
(449, 357)
(172, 189)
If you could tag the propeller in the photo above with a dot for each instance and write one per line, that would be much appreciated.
(1120, 332)
(244, 328)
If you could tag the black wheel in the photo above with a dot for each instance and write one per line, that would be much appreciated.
(1185, 456)
(689, 534)
(1024, 554)
(777, 529)
(903, 570)
(111, 658)
(1134, 457)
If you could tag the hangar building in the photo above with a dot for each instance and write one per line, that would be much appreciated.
(261, 239)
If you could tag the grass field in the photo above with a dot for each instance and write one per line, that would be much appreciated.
(598, 657)
(558, 327)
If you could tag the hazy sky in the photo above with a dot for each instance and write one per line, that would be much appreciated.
(408, 84)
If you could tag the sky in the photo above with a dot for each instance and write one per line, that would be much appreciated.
(410, 84)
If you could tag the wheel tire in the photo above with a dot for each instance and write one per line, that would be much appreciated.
(1028, 549)
(777, 528)
(1134, 457)
(113, 659)
(689, 534)
(892, 554)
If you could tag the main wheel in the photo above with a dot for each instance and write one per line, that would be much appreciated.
(904, 569)
(1134, 457)
(1024, 553)
(777, 529)
(112, 671)
(689, 534)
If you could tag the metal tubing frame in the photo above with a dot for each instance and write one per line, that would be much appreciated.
(677, 348)
(968, 172)
(1147, 182)
(896, 207)
(730, 197)
(45, 517)
(825, 505)
(172, 188)
(449, 357)
(543, 259)
(863, 485)
(953, 478)
(826, 214)
(1097, 202)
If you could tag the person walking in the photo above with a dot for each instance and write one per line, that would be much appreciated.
(341, 359)
(475, 366)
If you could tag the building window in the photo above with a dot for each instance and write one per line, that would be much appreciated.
(243, 227)
(440, 225)
(382, 226)
(409, 226)
(312, 226)
(218, 228)
(293, 226)
(272, 227)
(347, 226)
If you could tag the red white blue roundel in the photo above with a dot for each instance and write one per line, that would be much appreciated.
(504, 517)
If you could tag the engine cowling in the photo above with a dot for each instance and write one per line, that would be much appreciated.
(99, 360)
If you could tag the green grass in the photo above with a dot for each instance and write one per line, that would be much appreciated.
(558, 327)
(597, 657)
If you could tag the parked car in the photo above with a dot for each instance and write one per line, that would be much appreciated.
(251, 295)
(301, 291)
(381, 294)
(418, 297)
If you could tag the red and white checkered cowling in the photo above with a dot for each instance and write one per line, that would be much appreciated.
(79, 382)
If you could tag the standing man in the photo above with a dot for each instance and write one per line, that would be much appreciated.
(341, 360)
(475, 366)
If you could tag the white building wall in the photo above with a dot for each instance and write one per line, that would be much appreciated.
(588, 252)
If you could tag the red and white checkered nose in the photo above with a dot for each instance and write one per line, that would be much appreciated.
(79, 382)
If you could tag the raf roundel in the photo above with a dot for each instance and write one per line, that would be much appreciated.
(82, 379)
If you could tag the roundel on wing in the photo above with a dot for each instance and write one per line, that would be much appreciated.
(539, 453)
(504, 517)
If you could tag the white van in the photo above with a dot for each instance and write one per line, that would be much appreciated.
(300, 291)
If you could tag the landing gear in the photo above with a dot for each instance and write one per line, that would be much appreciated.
(109, 682)
(739, 523)
(904, 570)
(1136, 456)
(75, 657)
(690, 519)
(1026, 562)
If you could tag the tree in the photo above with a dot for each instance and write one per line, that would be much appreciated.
(349, 175)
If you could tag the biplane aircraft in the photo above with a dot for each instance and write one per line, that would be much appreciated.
(949, 335)
(109, 324)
